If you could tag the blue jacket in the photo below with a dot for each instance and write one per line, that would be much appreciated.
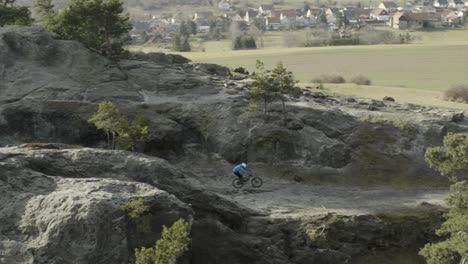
(241, 169)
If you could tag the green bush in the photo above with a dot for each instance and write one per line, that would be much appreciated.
(174, 241)
(244, 42)
(10, 14)
(136, 208)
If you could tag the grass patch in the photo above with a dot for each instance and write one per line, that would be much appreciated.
(329, 78)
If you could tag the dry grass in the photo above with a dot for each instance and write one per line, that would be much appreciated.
(329, 78)
(401, 95)
(457, 93)
(361, 80)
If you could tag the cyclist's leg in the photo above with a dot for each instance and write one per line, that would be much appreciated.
(238, 175)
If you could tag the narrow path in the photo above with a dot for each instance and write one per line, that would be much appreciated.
(297, 199)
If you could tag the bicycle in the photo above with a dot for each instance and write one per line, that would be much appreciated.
(256, 182)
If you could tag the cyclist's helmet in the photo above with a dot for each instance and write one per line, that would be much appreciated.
(244, 165)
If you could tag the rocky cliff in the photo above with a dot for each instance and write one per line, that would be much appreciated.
(64, 200)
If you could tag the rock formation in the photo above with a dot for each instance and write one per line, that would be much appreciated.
(63, 201)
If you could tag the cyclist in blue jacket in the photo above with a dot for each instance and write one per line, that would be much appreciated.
(241, 169)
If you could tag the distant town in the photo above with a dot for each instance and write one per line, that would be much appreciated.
(214, 24)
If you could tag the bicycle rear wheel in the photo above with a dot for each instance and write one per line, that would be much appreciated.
(237, 183)
(256, 182)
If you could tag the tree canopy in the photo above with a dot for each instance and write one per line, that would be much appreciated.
(98, 24)
(269, 86)
(451, 160)
(14, 15)
(117, 128)
(174, 241)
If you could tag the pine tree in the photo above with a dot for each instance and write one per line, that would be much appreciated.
(284, 82)
(261, 90)
(451, 161)
(183, 30)
(192, 26)
(176, 42)
(237, 43)
(10, 14)
(98, 24)
(185, 44)
(174, 241)
(44, 10)
(108, 118)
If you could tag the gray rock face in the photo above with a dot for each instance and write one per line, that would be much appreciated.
(63, 201)
(70, 217)
(62, 204)
(49, 88)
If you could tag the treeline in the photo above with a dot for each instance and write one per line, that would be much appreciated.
(323, 37)
(10, 14)
(244, 42)
(181, 40)
(99, 25)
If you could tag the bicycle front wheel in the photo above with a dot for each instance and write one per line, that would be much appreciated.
(256, 182)
(237, 183)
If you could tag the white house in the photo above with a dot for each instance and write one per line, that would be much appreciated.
(379, 14)
(458, 4)
(389, 6)
(224, 5)
(266, 10)
(441, 3)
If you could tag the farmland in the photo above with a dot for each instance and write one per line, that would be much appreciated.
(439, 60)
(435, 62)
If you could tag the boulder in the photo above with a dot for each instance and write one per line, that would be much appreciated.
(214, 69)
(71, 219)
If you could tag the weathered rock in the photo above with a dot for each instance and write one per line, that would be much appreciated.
(158, 57)
(49, 98)
(52, 219)
(388, 98)
(49, 88)
(209, 68)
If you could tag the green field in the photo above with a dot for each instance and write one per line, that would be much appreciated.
(438, 60)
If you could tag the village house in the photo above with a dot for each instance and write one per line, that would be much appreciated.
(288, 17)
(451, 18)
(388, 6)
(265, 10)
(224, 5)
(272, 23)
(408, 20)
(458, 4)
(379, 14)
(427, 9)
(356, 15)
(202, 19)
(441, 3)
(249, 15)
(332, 15)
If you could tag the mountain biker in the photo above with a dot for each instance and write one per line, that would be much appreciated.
(241, 169)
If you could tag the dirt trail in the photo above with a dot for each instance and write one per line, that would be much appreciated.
(279, 199)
